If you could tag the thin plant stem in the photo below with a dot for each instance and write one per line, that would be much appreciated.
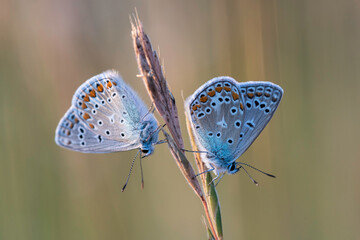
(151, 71)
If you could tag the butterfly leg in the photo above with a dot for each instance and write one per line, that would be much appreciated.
(217, 176)
(150, 110)
(209, 170)
(161, 141)
(220, 179)
(208, 153)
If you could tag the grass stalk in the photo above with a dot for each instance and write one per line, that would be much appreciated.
(152, 74)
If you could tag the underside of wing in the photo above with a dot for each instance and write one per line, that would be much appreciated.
(110, 113)
(73, 133)
(261, 99)
(216, 111)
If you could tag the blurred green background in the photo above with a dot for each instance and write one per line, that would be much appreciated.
(310, 48)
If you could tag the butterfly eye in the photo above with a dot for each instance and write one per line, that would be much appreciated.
(232, 168)
(145, 151)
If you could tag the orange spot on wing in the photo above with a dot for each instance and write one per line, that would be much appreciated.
(211, 93)
(115, 84)
(241, 106)
(192, 112)
(227, 89)
(100, 87)
(203, 99)
(76, 120)
(92, 93)
(91, 125)
(83, 106)
(196, 107)
(68, 133)
(258, 94)
(267, 95)
(109, 85)
(86, 98)
(235, 96)
(71, 125)
(250, 95)
(86, 116)
(218, 89)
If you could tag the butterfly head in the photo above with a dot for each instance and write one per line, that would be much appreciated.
(148, 138)
(232, 168)
(146, 151)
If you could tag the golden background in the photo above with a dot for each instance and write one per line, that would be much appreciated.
(310, 48)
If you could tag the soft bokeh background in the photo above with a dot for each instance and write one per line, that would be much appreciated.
(310, 48)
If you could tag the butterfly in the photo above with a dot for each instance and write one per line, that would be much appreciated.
(106, 115)
(227, 116)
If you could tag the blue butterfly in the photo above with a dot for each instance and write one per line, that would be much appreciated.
(106, 115)
(227, 116)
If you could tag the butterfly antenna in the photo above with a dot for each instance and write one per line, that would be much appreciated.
(268, 174)
(253, 180)
(128, 177)
(142, 174)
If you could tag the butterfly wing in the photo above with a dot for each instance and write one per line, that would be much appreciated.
(109, 112)
(216, 111)
(260, 99)
(74, 134)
